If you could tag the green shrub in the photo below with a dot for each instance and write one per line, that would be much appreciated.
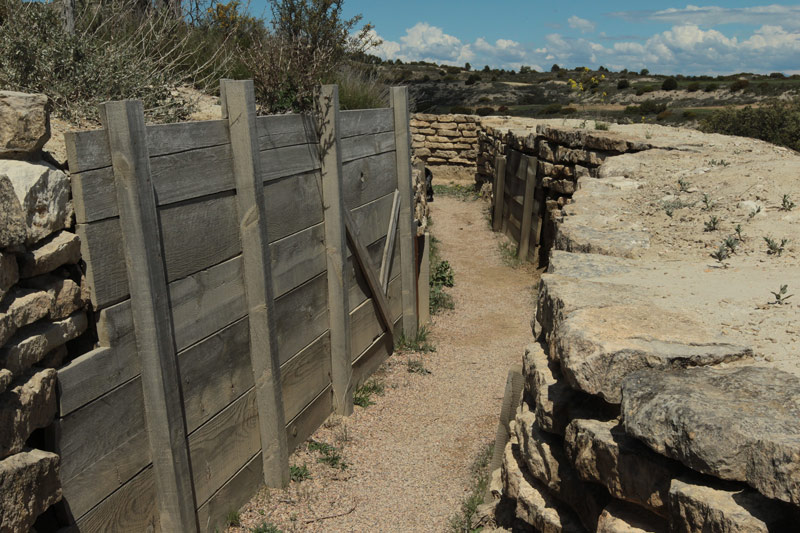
(568, 110)
(689, 114)
(670, 84)
(644, 89)
(711, 87)
(693, 87)
(623, 84)
(739, 85)
(442, 274)
(359, 89)
(664, 115)
(472, 79)
(460, 110)
(550, 109)
(777, 122)
(484, 111)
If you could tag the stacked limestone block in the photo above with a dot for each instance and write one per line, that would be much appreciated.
(41, 306)
(639, 418)
(445, 139)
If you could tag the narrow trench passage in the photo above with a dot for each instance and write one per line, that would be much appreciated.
(408, 455)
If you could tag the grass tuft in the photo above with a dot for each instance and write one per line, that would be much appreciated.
(362, 397)
(466, 521)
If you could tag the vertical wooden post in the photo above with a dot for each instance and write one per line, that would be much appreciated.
(499, 191)
(406, 228)
(330, 149)
(152, 318)
(424, 281)
(527, 207)
(241, 114)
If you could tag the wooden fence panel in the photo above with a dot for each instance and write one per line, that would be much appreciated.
(236, 208)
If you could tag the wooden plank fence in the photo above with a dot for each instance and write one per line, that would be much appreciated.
(519, 206)
(246, 275)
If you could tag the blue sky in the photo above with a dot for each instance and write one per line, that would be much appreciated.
(665, 37)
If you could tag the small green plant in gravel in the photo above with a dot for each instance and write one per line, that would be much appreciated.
(774, 247)
(441, 276)
(362, 397)
(466, 520)
(265, 528)
(671, 205)
(684, 184)
(299, 473)
(781, 296)
(708, 205)
(712, 224)
(328, 454)
(787, 204)
(739, 232)
(232, 519)
(602, 126)
(508, 253)
(719, 163)
(721, 254)
(459, 192)
(753, 213)
(417, 366)
(417, 344)
(731, 243)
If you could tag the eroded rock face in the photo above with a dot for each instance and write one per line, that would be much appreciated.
(29, 345)
(698, 507)
(621, 518)
(577, 234)
(543, 455)
(602, 453)
(62, 248)
(21, 308)
(23, 408)
(9, 273)
(24, 123)
(29, 484)
(739, 423)
(599, 347)
(12, 218)
(43, 192)
(534, 504)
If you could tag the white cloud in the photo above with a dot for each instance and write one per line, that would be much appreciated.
(577, 23)
(786, 16)
(684, 48)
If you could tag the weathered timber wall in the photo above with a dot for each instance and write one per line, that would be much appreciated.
(233, 306)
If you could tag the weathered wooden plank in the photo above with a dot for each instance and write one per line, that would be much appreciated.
(369, 178)
(406, 227)
(369, 361)
(224, 444)
(131, 509)
(330, 149)
(297, 258)
(359, 289)
(312, 417)
(87, 150)
(278, 131)
(391, 234)
(106, 276)
(499, 191)
(301, 316)
(207, 301)
(152, 321)
(198, 235)
(366, 121)
(527, 207)
(241, 109)
(288, 161)
(370, 274)
(366, 326)
(363, 146)
(305, 375)
(293, 203)
(98, 453)
(237, 491)
(214, 372)
(372, 219)
(424, 279)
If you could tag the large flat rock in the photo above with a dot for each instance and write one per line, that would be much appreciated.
(601, 452)
(533, 503)
(28, 406)
(697, 507)
(553, 401)
(581, 233)
(544, 456)
(738, 423)
(598, 348)
(29, 484)
(24, 123)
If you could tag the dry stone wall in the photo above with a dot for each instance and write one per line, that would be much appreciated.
(42, 308)
(445, 139)
(638, 417)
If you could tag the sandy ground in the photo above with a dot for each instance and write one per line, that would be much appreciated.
(409, 454)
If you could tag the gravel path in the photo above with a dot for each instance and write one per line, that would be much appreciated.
(409, 454)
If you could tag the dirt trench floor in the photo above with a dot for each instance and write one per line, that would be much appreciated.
(408, 456)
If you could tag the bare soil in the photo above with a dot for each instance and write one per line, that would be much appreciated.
(408, 456)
